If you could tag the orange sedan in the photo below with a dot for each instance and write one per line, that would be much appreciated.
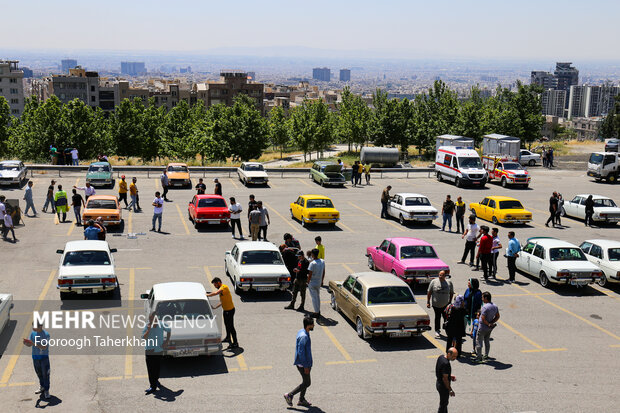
(105, 206)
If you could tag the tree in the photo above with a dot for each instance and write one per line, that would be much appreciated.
(176, 132)
(83, 129)
(353, 119)
(527, 104)
(470, 118)
(5, 126)
(390, 121)
(152, 120)
(322, 126)
(212, 134)
(610, 128)
(300, 129)
(248, 130)
(127, 128)
(278, 131)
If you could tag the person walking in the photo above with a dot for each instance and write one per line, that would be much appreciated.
(89, 190)
(553, 209)
(165, 184)
(354, 170)
(254, 218)
(367, 173)
(102, 230)
(316, 275)
(473, 299)
(91, 232)
(446, 212)
(7, 226)
(300, 282)
(264, 221)
(550, 154)
(217, 190)
(512, 252)
(460, 215)
(495, 249)
(455, 324)
(122, 191)
(443, 373)
(29, 200)
(558, 213)
(303, 362)
(39, 341)
(201, 188)
(226, 302)
(489, 315)
(62, 203)
(484, 252)
(153, 334)
(158, 210)
(385, 198)
(360, 170)
(49, 198)
(133, 193)
(589, 210)
(544, 157)
(235, 210)
(251, 207)
(77, 202)
(439, 295)
(470, 235)
(75, 157)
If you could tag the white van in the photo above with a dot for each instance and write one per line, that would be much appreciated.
(460, 164)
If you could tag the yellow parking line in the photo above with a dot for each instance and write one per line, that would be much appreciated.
(398, 227)
(241, 360)
(615, 345)
(283, 218)
(605, 291)
(304, 182)
(8, 371)
(270, 183)
(131, 293)
(208, 274)
(341, 224)
(130, 222)
(336, 343)
(110, 378)
(24, 383)
(529, 341)
(346, 267)
(156, 184)
(434, 341)
(182, 220)
(233, 183)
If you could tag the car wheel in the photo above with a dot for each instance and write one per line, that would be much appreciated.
(612, 179)
(563, 212)
(504, 183)
(473, 212)
(371, 263)
(303, 222)
(544, 280)
(531, 162)
(323, 183)
(494, 220)
(64, 296)
(439, 177)
(333, 302)
(359, 327)
(238, 289)
(457, 182)
(401, 219)
(292, 216)
(602, 281)
(245, 182)
(526, 186)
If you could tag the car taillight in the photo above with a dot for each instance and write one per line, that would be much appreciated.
(378, 324)
(65, 282)
(108, 280)
(425, 322)
(212, 341)
(618, 274)
(245, 280)
(561, 274)
(409, 272)
(596, 274)
(335, 215)
(311, 215)
(284, 279)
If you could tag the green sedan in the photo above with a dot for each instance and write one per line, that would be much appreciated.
(100, 174)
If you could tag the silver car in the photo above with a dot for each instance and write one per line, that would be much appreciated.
(12, 172)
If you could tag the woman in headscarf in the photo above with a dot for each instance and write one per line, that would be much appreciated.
(455, 326)
(473, 299)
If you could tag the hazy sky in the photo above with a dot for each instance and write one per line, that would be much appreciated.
(553, 30)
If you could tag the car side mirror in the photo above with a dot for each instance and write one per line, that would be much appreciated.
(227, 253)
(113, 250)
(59, 251)
(144, 296)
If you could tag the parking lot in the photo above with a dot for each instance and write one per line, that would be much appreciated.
(554, 350)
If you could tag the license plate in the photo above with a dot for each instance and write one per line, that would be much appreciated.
(323, 221)
(424, 280)
(214, 222)
(186, 352)
(578, 282)
(476, 182)
(264, 288)
(86, 291)
(401, 334)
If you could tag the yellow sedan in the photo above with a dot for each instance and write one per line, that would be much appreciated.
(501, 210)
(314, 209)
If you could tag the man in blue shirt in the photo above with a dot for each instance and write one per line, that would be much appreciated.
(91, 232)
(153, 333)
(39, 340)
(512, 252)
(29, 201)
(303, 362)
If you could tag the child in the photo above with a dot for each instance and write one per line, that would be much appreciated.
(320, 247)
(474, 330)
(8, 226)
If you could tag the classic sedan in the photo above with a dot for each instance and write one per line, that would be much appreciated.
(314, 209)
(411, 259)
(556, 261)
(379, 304)
(12, 172)
(327, 173)
(605, 209)
(252, 173)
(178, 175)
(412, 207)
(100, 174)
(185, 307)
(501, 210)
(105, 206)
(529, 158)
(208, 209)
(605, 254)
(6, 305)
(256, 265)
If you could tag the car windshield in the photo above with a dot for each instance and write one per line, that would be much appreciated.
(604, 203)
(416, 201)
(614, 254)
(511, 166)
(101, 204)
(567, 254)
(177, 168)
(183, 308)
(390, 295)
(211, 203)
(510, 205)
(73, 258)
(470, 163)
(254, 168)
(261, 258)
(417, 251)
(319, 203)
(9, 167)
(596, 158)
(98, 168)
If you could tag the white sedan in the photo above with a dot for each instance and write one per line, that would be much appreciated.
(411, 207)
(528, 158)
(6, 304)
(256, 265)
(252, 173)
(186, 309)
(556, 261)
(605, 209)
(12, 172)
(605, 254)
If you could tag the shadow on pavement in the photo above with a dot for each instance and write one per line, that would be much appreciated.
(51, 402)
(192, 366)
(167, 395)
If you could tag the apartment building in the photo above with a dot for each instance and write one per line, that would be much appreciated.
(12, 85)
(545, 79)
(133, 68)
(589, 101)
(553, 102)
(67, 64)
(345, 75)
(78, 84)
(321, 73)
(231, 84)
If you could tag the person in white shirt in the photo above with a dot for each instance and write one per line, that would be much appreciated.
(495, 249)
(158, 210)
(471, 235)
(88, 190)
(8, 226)
(2, 211)
(235, 210)
(74, 157)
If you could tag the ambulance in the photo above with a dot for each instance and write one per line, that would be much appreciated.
(461, 165)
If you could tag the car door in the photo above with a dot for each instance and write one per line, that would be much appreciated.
(490, 210)
(394, 205)
(523, 260)
(356, 300)
(192, 207)
(596, 254)
(379, 258)
(233, 263)
(344, 299)
(570, 207)
(389, 257)
(536, 261)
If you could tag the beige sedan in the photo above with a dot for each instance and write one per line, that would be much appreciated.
(379, 304)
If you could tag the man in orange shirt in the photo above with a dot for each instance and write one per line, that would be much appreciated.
(229, 310)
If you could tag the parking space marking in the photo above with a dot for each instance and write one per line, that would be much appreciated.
(336, 343)
(182, 220)
(23, 383)
(208, 274)
(398, 227)
(605, 291)
(304, 182)
(297, 230)
(241, 360)
(433, 341)
(8, 371)
(346, 267)
(531, 342)
(131, 294)
(340, 223)
(233, 183)
(130, 223)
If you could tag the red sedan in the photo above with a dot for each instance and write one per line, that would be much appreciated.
(208, 209)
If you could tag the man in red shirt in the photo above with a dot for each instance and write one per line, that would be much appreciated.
(484, 251)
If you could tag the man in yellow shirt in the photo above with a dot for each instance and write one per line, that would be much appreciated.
(229, 311)
(367, 173)
(122, 191)
(320, 247)
(133, 193)
(360, 169)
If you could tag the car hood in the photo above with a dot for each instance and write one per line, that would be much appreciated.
(332, 168)
(255, 174)
(9, 174)
(85, 270)
(98, 175)
(264, 270)
(382, 311)
(424, 263)
(420, 208)
(516, 171)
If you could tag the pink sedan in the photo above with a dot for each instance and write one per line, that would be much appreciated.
(411, 259)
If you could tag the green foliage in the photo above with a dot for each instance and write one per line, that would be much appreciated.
(311, 126)
(353, 119)
(5, 125)
(390, 121)
(278, 129)
(470, 118)
(610, 128)
(248, 130)
(177, 138)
